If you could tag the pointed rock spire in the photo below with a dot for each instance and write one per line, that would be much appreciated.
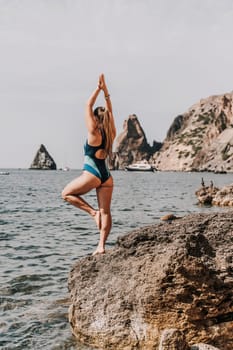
(43, 160)
(131, 145)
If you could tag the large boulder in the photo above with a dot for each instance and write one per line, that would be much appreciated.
(169, 284)
(43, 160)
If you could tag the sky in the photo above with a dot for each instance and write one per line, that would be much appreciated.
(159, 57)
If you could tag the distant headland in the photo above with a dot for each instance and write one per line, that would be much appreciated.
(200, 139)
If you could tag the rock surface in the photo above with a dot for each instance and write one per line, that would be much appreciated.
(173, 274)
(43, 160)
(200, 139)
(172, 339)
(202, 346)
(214, 196)
(131, 145)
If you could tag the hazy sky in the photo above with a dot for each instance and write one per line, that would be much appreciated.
(159, 57)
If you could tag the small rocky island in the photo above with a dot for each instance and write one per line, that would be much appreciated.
(168, 286)
(43, 160)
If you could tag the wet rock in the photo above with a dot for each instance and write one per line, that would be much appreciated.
(160, 277)
(210, 195)
(224, 197)
(169, 217)
(206, 194)
(43, 160)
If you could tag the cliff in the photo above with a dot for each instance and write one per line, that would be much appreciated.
(43, 160)
(200, 139)
(165, 286)
(131, 145)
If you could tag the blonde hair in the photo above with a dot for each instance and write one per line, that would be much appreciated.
(105, 122)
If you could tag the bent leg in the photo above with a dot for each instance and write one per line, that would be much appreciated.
(79, 186)
(104, 196)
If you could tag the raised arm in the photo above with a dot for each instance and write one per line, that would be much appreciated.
(103, 86)
(89, 116)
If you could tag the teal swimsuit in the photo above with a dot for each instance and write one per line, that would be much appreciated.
(95, 165)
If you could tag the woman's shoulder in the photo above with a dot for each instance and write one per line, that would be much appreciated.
(95, 139)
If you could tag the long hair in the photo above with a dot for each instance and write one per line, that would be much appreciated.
(104, 120)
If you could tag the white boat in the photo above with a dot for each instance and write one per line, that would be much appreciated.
(4, 173)
(140, 167)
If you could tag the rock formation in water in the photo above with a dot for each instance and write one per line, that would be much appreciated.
(200, 139)
(165, 286)
(212, 195)
(43, 160)
(132, 145)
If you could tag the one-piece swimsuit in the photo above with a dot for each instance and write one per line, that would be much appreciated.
(94, 165)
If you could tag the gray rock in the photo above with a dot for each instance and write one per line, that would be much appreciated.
(172, 339)
(177, 274)
(43, 160)
(178, 124)
(132, 145)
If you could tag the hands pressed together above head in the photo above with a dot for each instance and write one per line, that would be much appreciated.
(102, 84)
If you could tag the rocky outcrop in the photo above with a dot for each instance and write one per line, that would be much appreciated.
(224, 197)
(131, 145)
(43, 160)
(212, 195)
(200, 139)
(169, 284)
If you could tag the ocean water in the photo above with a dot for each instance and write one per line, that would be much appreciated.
(41, 236)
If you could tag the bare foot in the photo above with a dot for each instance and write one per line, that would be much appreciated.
(97, 219)
(99, 251)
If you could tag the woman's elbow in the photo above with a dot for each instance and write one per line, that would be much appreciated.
(88, 104)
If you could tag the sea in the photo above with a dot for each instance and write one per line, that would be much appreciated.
(41, 237)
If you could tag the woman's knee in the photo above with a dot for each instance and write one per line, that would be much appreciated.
(106, 218)
(106, 221)
(105, 212)
(65, 194)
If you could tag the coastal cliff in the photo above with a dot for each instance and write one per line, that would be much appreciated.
(165, 286)
(200, 139)
(131, 145)
(43, 160)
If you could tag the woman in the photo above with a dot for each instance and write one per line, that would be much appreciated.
(101, 133)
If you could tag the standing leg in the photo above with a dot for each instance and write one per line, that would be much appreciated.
(104, 195)
(79, 186)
